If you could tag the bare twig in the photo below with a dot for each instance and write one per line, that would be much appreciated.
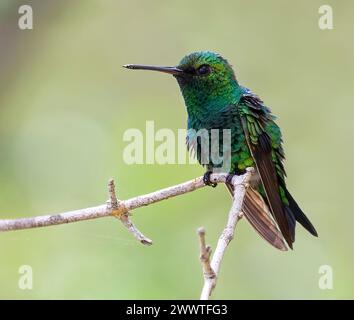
(113, 207)
(205, 252)
(119, 211)
(211, 270)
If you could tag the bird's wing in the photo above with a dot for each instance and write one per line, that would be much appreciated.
(257, 214)
(255, 118)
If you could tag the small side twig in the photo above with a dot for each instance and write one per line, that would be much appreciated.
(205, 253)
(211, 270)
(120, 212)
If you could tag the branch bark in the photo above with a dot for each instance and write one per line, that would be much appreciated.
(113, 207)
(211, 269)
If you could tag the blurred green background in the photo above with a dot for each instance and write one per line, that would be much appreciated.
(65, 103)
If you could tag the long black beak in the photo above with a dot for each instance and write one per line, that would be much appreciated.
(169, 70)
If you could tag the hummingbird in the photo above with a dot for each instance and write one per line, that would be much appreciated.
(214, 99)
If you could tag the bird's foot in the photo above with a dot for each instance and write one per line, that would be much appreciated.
(229, 178)
(239, 172)
(206, 179)
(236, 172)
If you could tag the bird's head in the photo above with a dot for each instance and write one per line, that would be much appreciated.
(206, 79)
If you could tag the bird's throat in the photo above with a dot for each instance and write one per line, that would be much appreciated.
(207, 103)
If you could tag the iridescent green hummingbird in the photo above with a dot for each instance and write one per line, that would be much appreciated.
(215, 100)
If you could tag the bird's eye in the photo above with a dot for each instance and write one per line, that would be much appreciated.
(203, 70)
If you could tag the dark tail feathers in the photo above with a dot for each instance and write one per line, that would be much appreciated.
(297, 213)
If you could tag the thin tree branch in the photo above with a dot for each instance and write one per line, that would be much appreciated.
(120, 209)
(211, 269)
(113, 207)
(205, 253)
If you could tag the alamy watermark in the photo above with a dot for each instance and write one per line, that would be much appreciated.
(325, 281)
(164, 146)
(25, 21)
(25, 281)
(325, 22)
